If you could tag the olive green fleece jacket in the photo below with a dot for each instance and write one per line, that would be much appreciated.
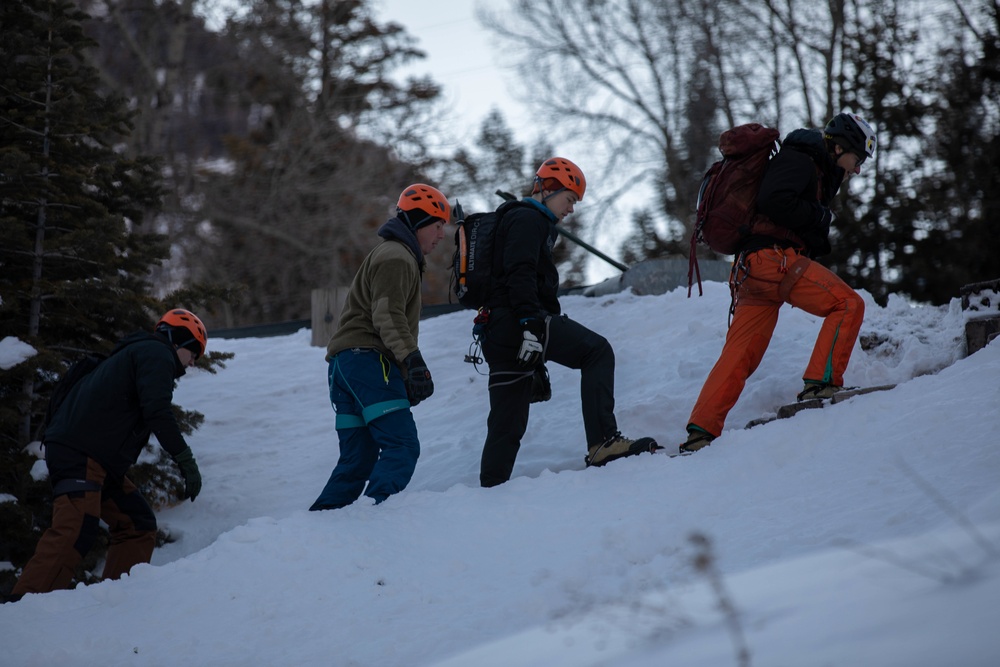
(382, 311)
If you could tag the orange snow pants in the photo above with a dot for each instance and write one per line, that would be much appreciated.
(775, 276)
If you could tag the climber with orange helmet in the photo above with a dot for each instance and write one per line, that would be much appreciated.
(524, 328)
(95, 435)
(375, 370)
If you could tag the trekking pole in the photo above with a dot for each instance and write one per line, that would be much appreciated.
(506, 196)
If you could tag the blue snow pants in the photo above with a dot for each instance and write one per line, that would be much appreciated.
(378, 446)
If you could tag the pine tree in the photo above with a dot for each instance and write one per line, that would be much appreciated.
(74, 275)
(957, 242)
(872, 227)
(311, 180)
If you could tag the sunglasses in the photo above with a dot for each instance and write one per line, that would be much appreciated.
(195, 348)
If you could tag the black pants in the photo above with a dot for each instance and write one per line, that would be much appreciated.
(569, 344)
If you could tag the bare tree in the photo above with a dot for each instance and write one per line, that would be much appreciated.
(645, 82)
(652, 84)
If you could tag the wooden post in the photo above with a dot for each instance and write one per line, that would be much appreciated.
(326, 307)
(981, 306)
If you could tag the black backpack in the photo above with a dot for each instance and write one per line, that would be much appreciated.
(472, 264)
(76, 372)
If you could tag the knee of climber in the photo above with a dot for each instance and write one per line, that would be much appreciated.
(857, 305)
(88, 534)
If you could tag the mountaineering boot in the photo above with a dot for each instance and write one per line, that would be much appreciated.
(818, 390)
(616, 447)
(697, 439)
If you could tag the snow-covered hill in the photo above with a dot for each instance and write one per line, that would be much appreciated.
(864, 533)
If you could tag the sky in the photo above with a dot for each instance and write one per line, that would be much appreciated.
(467, 60)
(463, 57)
(863, 533)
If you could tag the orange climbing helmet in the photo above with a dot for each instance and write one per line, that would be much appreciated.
(184, 329)
(426, 198)
(565, 172)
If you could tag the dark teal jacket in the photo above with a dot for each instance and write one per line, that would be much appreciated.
(111, 412)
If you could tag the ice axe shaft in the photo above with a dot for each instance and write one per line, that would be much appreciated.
(506, 196)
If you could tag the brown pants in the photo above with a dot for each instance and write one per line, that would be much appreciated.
(777, 277)
(76, 513)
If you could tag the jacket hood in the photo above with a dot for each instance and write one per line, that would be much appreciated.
(396, 230)
(812, 144)
(144, 336)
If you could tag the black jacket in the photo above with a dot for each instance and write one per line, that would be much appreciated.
(797, 190)
(111, 412)
(524, 276)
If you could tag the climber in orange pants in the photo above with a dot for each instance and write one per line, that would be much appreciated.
(777, 276)
(775, 266)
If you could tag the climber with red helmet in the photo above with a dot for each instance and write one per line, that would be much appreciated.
(375, 370)
(525, 328)
(94, 437)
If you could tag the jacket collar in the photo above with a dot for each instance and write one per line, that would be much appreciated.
(541, 207)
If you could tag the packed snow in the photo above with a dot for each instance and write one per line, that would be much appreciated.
(863, 533)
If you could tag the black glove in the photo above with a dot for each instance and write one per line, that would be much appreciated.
(419, 384)
(533, 341)
(541, 387)
(817, 238)
(189, 471)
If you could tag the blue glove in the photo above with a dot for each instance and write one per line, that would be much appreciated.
(532, 343)
(419, 384)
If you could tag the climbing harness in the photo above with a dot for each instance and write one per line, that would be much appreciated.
(368, 413)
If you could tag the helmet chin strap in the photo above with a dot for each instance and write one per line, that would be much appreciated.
(541, 189)
(168, 331)
(552, 194)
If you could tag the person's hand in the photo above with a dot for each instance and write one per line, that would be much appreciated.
(419, 384)
(532, 343)
(189, 471)
(817, 239)
(541, 387)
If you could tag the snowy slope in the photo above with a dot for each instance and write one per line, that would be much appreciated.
(838, 534)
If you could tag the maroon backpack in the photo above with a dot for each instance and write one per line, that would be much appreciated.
(727, 199)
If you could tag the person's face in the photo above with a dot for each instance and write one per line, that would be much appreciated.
(561, 204)
(850, 163)
(429, 236)
(186, 356)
